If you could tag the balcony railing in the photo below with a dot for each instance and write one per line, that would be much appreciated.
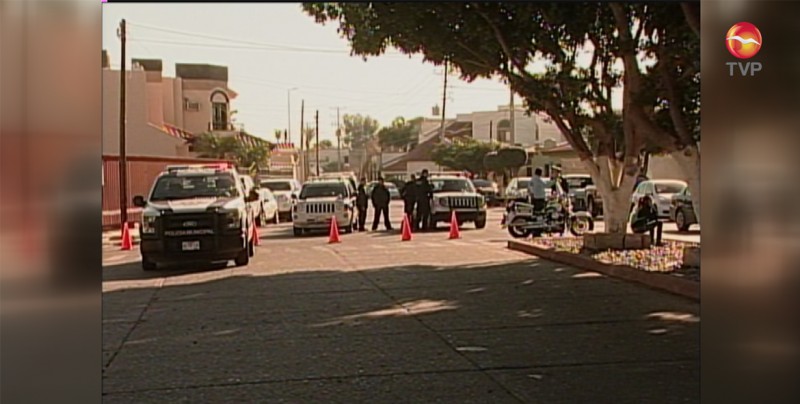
(225, 127)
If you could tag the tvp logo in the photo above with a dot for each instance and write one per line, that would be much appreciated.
(743, 41)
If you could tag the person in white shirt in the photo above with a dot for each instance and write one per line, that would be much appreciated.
(538, 189)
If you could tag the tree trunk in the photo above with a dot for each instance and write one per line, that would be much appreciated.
(689, 161)
(615, 187)
(616, 210)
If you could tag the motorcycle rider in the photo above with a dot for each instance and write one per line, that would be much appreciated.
(409, 195)
(362, 203)
(537, 190)
(424, 195)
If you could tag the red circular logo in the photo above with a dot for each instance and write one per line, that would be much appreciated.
(743, 40)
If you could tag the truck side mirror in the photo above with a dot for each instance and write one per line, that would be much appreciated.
(139, 201)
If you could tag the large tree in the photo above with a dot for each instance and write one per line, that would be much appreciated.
(401, 135)
(567, 61)
(231, 148)
(467, 154)
(358, 130)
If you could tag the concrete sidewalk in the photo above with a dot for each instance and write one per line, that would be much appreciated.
(522, 330)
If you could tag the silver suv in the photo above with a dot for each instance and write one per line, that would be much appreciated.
(457, 194)
(321, 201)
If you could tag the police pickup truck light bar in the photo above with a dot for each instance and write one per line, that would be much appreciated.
(200, 167)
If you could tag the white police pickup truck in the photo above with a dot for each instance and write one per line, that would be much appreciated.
(196, 213)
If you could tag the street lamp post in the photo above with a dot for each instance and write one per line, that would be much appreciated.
(289, 110)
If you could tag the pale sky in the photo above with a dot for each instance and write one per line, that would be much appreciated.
(270, 48)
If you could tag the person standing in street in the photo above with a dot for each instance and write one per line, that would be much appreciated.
(409, 195)
(537, 190)
(380, 202)
(559, 179)
(424, 195)
(362, 203)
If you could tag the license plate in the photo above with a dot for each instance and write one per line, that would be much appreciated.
(190, 245)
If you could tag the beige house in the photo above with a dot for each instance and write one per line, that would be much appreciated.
(496, 126)
(164, 112)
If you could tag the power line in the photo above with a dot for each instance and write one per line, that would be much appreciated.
(253, 44)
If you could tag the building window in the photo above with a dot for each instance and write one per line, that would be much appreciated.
(219, 111)
(504, 131)
(346, 159)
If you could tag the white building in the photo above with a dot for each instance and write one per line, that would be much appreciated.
(496, 126)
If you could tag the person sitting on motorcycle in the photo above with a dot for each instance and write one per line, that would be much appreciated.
(645, 219)
(537, 190)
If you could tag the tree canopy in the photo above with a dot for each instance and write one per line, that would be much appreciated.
(401, 135)
(466, 155)
(358, 129)
(209, 145)
(570, 61)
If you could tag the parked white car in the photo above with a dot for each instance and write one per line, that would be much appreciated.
(319, 202)
(285, 191)
(660, 191)
(517, 189)
(269, 207)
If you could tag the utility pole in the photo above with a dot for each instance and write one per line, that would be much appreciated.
(289, 111)
(511, 112)
(338, 140)
(123, 154)
(491, 127)
(316, 147)
(511, 107)
(302, 141)
(444, 101)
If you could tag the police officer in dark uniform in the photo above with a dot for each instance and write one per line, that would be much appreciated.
(380, 201)
(424, 195)
(362, 203)
(559, 179)
(409, 195)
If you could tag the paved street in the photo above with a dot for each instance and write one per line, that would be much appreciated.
(374, 319)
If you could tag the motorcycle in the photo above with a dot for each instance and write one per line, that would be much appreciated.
(522, 220)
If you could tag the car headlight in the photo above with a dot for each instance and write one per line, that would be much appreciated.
(442, 202)
(233, 219)
(481, 201)
(149, 224)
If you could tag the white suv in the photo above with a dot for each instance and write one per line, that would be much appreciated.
(457, 194)
(319, 202)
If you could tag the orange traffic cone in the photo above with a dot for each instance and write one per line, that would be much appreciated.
(334, 236)
(127, 241)
(454, 231)
(256, 237)
(406, 229)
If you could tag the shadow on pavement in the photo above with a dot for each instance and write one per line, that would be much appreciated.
(130, 271)
(526, 331)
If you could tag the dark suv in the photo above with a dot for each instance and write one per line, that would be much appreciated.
(196, 213)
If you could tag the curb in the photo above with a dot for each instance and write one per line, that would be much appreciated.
(667, 283)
